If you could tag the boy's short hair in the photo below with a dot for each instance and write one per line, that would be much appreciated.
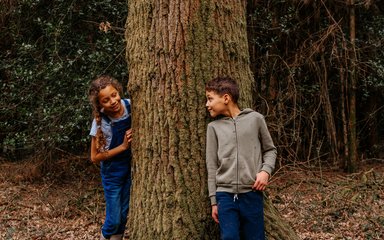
(224, 85)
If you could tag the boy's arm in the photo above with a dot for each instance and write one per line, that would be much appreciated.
(268, 148)
(215, 213)
(211, 161)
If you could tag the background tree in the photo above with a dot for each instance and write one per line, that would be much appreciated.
(304, 57)
(300, 55)
(352, 84)
(173, 48)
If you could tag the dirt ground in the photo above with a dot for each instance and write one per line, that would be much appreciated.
(68, 203)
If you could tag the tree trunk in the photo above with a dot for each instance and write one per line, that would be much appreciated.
(343, 110)
(353, 158)
(275, 227)
(328, 112)
(173, 48)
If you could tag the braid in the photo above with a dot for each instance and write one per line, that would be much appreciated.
(100, 138)
(97, 85)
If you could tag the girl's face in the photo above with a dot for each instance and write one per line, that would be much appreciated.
(110, 101)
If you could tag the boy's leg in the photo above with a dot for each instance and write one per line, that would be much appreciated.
(228, 216)
(252, 215)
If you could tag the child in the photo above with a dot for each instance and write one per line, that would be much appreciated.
(110, 146)
(240, 157)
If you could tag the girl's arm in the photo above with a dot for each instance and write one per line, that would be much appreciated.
(97, 157)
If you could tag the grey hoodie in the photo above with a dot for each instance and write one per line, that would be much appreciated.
(237, 149)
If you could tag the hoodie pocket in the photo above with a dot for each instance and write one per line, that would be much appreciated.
(226, 173)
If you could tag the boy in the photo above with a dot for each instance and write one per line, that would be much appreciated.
(240, 157)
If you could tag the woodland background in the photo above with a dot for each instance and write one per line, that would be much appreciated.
(319, 80)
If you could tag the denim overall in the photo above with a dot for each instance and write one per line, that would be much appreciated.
(116, 179)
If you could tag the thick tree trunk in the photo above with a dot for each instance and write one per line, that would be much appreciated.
(275, 227)
(173, 48)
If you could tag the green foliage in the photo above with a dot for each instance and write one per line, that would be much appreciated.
(50, 51)
(372, 43)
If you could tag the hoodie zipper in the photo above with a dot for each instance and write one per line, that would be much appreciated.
(235, 197)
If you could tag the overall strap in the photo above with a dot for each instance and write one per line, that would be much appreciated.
(128, 106)
(106, 118)
(119, 129)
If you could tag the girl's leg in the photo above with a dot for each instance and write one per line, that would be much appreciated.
(125, 195)
(102, 236)
(112, 183)
(113, 208)
(117, 237)
(228, 216)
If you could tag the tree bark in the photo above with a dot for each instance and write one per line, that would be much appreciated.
(173, 48)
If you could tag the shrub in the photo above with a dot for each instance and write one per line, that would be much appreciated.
(50, 51)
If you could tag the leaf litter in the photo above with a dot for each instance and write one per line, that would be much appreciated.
(68, 202)
(331, 204)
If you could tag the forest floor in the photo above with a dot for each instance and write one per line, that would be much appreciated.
(68, 202)
(331, 204)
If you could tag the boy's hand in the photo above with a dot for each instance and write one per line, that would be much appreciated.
(215, 213)
(261, 181)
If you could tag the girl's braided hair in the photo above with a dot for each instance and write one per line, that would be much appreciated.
(96, 86)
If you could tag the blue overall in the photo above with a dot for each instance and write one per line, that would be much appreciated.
(116, 179)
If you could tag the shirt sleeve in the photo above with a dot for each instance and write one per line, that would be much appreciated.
(211, 161)
(93, 128)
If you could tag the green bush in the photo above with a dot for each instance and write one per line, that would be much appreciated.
(50, 51)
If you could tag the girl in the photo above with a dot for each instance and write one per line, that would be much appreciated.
(111, 139)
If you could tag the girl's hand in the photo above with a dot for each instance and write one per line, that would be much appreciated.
(127, 138)
(261, 181)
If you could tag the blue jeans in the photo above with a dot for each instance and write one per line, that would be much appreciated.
(241, 217)
(116, 181)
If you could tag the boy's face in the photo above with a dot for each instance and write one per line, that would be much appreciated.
(216, 104)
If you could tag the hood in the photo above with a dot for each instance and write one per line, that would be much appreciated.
(242, 112)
